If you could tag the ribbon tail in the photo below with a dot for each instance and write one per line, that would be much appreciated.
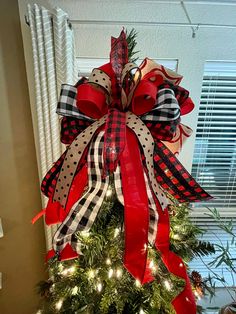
(136, 209)
(84, 211)
(184, 303)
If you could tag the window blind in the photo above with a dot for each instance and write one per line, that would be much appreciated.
(214, 160)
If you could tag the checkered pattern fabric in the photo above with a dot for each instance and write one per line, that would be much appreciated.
(118, 59)
(174, 178)
(163, 119)
(50, 179)
(67, 104)
(83, 213)
(114, 139)
(181, 94)
(165, 109)
(71, 127)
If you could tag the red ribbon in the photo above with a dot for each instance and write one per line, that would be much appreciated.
(136, 209)
(184, 303)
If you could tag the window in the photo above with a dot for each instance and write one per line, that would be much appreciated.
(214, 161)
(85, 65)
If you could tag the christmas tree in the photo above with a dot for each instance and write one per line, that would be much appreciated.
(121, 195)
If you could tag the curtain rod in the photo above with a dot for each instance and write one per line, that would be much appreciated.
(123, 23)
(107, 22)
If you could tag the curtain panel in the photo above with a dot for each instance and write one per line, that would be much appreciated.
(54, 64)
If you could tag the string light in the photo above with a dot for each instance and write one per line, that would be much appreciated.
(167, 285)
(152, 266)
(68, 271)
(39, 312)
(59, 304)
(117, 231)
(118, 273)
(91, 273)
(99, 287)
(108, 261)
(141, 311)
(60, 268)
(137, 283)
(74, 290)
(109, 192)
(110, 273)
(176, 236)
(85, 234)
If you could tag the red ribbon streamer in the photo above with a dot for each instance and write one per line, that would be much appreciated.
(184, 303)
(136, 209)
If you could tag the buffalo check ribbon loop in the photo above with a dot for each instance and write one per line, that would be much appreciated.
(124, 120)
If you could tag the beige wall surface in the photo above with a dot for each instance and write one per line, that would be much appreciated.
(23, 246)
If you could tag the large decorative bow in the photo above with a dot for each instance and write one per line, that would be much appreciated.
(117, 122)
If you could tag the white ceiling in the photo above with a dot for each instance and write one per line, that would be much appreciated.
(200, 12)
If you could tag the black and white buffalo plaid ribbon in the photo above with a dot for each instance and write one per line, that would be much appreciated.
(67, 104)
(166, 107)
(85, 210)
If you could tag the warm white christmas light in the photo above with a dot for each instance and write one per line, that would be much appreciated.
(176, 236)
(91, 273)
(60, 267)
(141, 311)
(39, 312)
(110, 273)
(118, 273)
(108, 261)
(85, 234)
(109, 192)
(68, 271)
(117, 231)
(153, 267)
(167, 285)
(137, 283)
(74, 290)
(59, 304)
(151, 264)
(99, 287)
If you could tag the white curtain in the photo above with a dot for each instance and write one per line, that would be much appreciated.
(54, 64)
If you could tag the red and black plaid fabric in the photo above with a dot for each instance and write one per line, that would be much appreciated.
(118, 59)
(114, 139)
(174, 178)
(162, 130)
(71, 127)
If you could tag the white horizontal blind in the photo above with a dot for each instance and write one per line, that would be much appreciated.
(214, 161)
(86, 65)
(214, 234)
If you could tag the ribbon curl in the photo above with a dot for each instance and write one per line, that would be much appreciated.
(129, 117)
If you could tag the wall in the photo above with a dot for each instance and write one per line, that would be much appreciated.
(155, 42)
(23, 246)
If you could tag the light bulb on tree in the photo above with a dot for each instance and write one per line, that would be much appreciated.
(99, 287)
(110, 273)
(58, 305)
